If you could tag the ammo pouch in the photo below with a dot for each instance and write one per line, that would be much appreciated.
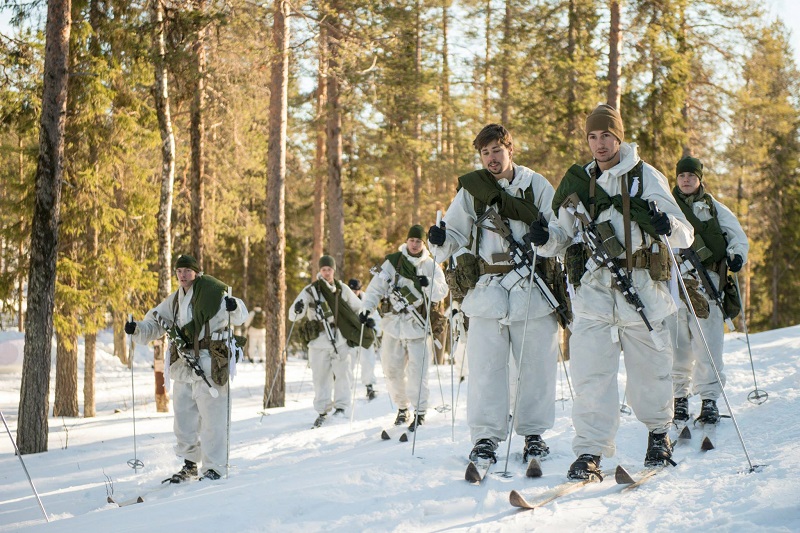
(699, 246)
(699, 302)
(464, 276)
(552, 273)
(308, 330)
(730, 299)
(660, 263)
(438, 320)
(220, 358)
(606, 232)
(575, 262)
(385, 306)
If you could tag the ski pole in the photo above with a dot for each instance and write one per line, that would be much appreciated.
(756, 395)
(16, 450)
(510, 432)
(566, 374)
(425, 342)
(654, 208)
(623, 408)
(444, 407)
(134, 463)
(452, 371)
(355, 369)
(231, 362)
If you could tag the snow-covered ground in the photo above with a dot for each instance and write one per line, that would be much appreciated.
(342, 477)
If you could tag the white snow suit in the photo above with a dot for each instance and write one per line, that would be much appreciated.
(330, 367)
(692, 371)
(200, 421)
(405, 351)
(256, 340)
(365, 358)
(497, 321)
(605, 324)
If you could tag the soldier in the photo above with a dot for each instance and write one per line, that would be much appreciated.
(367, 356)
(255, 328)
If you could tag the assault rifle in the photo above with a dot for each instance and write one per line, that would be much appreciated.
(180, 343)
(694, 259)
(400, 303)
(601, 257)
(320, 313)
(521, 256)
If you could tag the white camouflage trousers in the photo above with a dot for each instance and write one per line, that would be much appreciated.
(405, 365)
(692, 372)
(331, 375)
(200, 424)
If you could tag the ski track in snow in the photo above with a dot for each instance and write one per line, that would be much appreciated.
(287, 477)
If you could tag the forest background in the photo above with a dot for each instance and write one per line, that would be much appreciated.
(257, 136)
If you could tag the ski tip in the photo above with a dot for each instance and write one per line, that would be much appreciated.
(707, 445)
(385, 435)
(472, 474)
(622, 477)
(518, 500)
(110, 500)
(404, 437)
(534, 468)
(685, 433)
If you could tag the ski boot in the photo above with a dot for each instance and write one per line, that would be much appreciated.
(402, 417)
(211, 475)
(338, 412)
(320, 420)
(586, 466)
(534, 447)
(659, 450)
(371, 394)
(681, 411)
(419, 418)
(188, 471)
(483, 451)
(709, 413)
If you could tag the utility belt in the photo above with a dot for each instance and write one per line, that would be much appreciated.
(655, 259)
(489, 268)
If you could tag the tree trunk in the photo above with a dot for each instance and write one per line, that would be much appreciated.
(333, 134)
(90, 348)
(197, 133)
(321, 175)
(66, 393)
(614, 50)
(572, 97)
(416, 156)
(505, 82)
(20, 244)
(34, 389)
(164, 223)
(275, 395)
(487, 56)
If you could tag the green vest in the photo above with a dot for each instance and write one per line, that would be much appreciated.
(207, 293)
(486, 191)
(344, 317)
(577, 180)
(711, 232)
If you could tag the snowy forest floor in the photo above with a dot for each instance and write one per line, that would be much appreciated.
(342, 477)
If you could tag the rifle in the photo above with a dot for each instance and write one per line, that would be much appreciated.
(320, 313)
(401, 305)
(694, 259)
(177, 340)
(523, 263)
(601, 257)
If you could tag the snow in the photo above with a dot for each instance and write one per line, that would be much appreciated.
(342, 477)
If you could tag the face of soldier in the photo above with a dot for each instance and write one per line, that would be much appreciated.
(604, 147)
(688, 182)
(186, 277)
(496, 158)
(327, 273)
(414, 246)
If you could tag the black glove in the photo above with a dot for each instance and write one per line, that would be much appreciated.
(298, 307)
(660, 222)
(539, 234)
(230, 304)
(437, 234)
(423, 281)
(364, 318)
(130, 327)
(735, 263)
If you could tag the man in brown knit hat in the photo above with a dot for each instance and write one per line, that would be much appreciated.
(613, 191)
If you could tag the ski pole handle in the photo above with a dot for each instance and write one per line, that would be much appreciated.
(439, 217)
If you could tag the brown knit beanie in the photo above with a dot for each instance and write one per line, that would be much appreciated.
(606, 118)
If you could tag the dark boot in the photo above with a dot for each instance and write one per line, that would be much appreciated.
(483, 451)
(586, 466)
(189, 471)
(211, 474)
(659, 450)
(371, 394)
(534, 447)
(402, 417)
(709, 413)
(681, 410)
(320, 420)
(419, 418)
